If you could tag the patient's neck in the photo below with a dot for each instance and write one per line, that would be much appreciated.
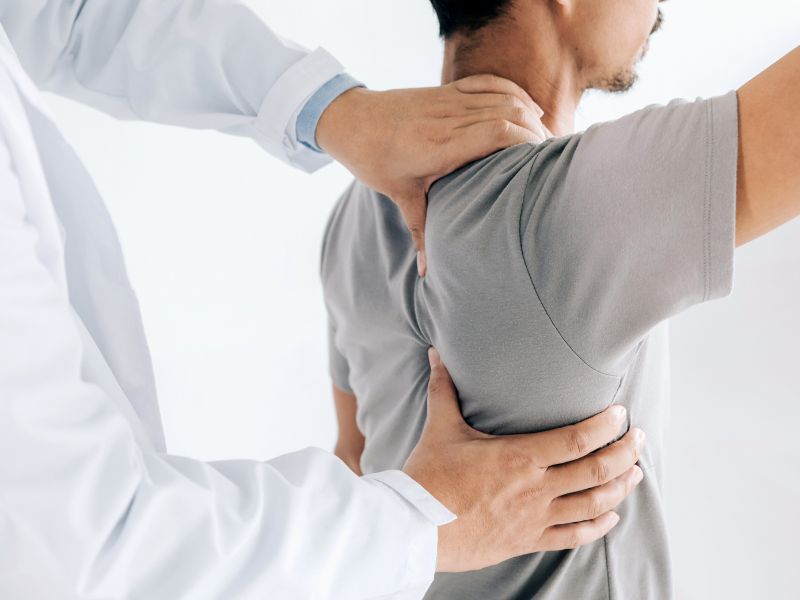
(544, 70)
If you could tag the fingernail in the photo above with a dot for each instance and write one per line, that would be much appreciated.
(540, 111)
(619, 412)
(433, 357)
(639, 436)
(614, 519)
(422, 264)
(637, 475)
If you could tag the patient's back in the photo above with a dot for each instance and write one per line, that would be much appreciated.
(551, 271)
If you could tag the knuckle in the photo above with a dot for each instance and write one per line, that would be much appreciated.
(519, 114)
(514, 459)
(594, 506)
(599, 471)
(533, 493)
(577, 441)
(415, 229)
(501, 128)
(509, 99)
(440, 138)
(576, 538)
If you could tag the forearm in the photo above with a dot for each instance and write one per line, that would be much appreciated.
(349, 455)
(768, 188)
(350, 443)
(211, 64)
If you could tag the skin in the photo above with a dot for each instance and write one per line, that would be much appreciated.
(556, 50)
(768, 193)
(400, 141)
(350, 443)
(513, 494)
(505, 490)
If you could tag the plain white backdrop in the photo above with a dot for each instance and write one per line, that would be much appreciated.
(223, 246)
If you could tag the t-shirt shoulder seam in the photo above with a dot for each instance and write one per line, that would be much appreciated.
(536, 291)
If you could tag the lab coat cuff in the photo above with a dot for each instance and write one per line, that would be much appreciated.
(421, 543)
(416, 495)
(309, 116)
(276, 123)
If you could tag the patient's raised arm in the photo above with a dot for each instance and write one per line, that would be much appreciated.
(768, 187)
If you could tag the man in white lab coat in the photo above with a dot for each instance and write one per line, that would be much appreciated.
(91, 505)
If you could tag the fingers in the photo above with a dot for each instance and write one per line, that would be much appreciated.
(590, 504)
(489, 100)
(569, 443)
(518, 115)
(422, 263)
(469, 120)
(600, 467)
(482, 84)
(567, 537)
(487, 137)
(443, 409)
(414, 210)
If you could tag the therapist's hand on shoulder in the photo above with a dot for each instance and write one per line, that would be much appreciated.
(399, 142)
(519, 494)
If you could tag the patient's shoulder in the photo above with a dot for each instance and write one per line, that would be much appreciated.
(364, 228)
(484, 196)
(494, 171)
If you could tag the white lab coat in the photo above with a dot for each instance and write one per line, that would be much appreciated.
(91, 506)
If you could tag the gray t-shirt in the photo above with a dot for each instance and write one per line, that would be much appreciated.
(551, 271)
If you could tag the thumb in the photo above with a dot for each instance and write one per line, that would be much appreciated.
(414, 209)
(443, 408)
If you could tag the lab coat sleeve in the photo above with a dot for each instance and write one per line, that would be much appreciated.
(210, 64)
(125, 521)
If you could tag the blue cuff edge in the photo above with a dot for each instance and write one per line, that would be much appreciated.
(309, 116)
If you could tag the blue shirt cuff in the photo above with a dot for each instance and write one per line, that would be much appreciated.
(310, 115)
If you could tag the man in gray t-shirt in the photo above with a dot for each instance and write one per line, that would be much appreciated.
(551, 269)
(551, 272)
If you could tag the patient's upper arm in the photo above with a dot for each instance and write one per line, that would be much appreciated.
(769, 166)
(632, 222)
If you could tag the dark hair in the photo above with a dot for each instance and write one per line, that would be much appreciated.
(467, 15)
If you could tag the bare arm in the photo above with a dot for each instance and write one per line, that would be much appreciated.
(350, 444)
(768, 189)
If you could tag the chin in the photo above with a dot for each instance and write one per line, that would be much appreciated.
(617, 83)
(623, 83)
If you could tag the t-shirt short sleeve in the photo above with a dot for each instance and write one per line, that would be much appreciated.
(337, 363)
(632, 222)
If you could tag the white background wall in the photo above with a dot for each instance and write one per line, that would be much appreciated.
(223, 241)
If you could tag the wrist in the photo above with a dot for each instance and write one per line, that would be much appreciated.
(308, 119)
(341, 121)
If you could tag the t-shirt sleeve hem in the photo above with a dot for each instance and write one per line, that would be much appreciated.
(338, 367)
(720, 209)
(341, 384)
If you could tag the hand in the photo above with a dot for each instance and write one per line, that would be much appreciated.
(519, 494)
(399, 142)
